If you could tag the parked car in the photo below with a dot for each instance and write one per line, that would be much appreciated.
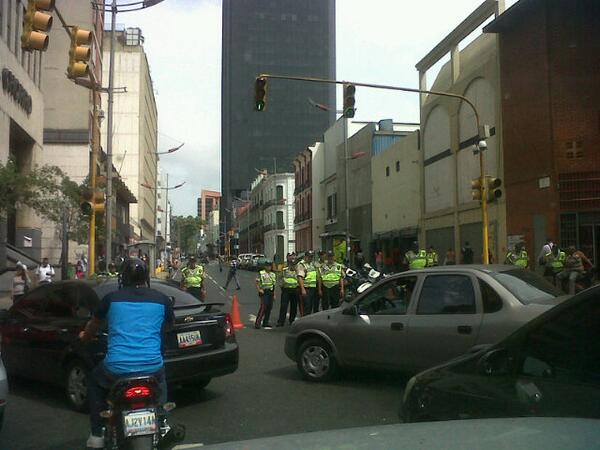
(258, 261)
(549, 367)
(526, 433)
(3, 392)
(40, 337)
(417, 319)
(245, 260)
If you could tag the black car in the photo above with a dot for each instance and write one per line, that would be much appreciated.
(40, 337)
(549, 367)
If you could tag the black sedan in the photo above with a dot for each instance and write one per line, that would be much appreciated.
(549, 367)
(40, 337)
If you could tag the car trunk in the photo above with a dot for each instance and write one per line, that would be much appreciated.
(195, 331)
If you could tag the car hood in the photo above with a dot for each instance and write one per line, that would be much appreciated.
(490, 434)
(311, 319)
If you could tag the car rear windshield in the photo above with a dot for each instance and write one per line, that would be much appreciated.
(526, 286)
(182, 298)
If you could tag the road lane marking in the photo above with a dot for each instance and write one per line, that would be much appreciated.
(188, 446)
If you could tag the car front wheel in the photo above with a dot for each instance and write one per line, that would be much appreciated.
(76, 385)
(316, 361)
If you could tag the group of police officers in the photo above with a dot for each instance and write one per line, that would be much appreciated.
(306, 285)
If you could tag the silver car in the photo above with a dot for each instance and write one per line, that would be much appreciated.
(417, 319)
(3, 391)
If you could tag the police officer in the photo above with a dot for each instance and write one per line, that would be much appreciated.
(265, 283)
(415, 258)
(331, 282)
(518, 257)
(432, 257)
(307, 280)
(289, 291)
(554, 262)
(192, 279)
(112, 271)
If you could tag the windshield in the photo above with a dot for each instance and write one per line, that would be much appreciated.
(182, 298)
(526, 286)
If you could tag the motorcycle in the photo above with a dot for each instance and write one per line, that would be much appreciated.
(358, 281)
(135, 419)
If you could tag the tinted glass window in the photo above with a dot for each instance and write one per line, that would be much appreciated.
(392, 297)
(182, 298)
(447, 294)
(492, 302)
(526, 286)
(567, 347)
(32, 303)
(62, 302)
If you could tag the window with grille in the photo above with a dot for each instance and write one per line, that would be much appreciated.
(574, 149)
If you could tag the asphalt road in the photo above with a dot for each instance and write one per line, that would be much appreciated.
(265, 397)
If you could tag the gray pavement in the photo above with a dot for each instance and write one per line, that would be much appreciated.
(265, 397)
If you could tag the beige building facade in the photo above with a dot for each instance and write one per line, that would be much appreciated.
(449, 216)
(21, 124)
(135, 133)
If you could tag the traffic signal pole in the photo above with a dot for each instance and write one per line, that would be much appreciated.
(484, 205)
(109, 133)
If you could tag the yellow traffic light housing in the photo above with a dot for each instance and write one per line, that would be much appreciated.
(349, 100)
(92, 203)
(476, 187)
(79, 53)
(260, 94)
(492, 187)
(35, 25)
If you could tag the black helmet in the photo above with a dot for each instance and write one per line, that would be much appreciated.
(134, 272)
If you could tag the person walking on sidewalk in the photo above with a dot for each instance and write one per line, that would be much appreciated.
(289, 291)
(20, 283)
(45, 272)
(265, 283)
(232, 275)
(307, 280)
(331, 282)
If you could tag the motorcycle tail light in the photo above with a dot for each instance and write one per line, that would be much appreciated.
(229, 330)
(137, 392)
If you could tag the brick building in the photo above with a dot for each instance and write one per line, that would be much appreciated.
(303, 200)
(550, 73)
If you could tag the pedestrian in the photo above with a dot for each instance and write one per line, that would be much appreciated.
(414, 258)
(265, 283)
(518, 257)
(573, 269)
(331, 283)
(233, 266)
(44, 272)
(554, 263)
(289, 291)
(79, 272)
(220, 259)
(192, 279)
(307, 279)
(379, 260)
(360, 257)
(466, 253)
(112, 271)
(545, 251)
(432, 257)
(450, 259)
(20, 282)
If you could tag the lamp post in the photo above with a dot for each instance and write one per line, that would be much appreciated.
(115, 7)
(480, 146)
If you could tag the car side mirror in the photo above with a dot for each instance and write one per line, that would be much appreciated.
(352, 310)
(495, 362)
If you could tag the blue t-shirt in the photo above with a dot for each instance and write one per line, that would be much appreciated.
(136, 317)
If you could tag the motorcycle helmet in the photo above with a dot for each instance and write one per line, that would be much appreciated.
(134, 272)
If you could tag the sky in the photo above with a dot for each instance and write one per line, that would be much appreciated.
(378, 41)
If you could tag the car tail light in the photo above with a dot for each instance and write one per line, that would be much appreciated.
(137, 392)
(229, 330)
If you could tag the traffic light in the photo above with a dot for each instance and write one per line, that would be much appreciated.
(35, 24)
(79, 53)
(260, 91)
(492, 188)
(92, 203)
(476, 189)
(349, 100)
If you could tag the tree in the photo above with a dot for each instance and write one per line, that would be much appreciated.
(185, 231)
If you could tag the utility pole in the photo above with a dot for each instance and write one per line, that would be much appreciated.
(347, 195)
(109, 132)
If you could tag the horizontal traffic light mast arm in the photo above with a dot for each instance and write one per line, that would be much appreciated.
(376, 86)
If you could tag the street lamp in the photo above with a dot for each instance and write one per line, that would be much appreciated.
(115, 7)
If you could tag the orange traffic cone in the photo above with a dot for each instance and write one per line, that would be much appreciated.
(235, 313)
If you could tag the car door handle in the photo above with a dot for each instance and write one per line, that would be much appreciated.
(464, 329)
(397, 326)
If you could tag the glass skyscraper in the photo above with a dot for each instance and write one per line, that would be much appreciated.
(284, 37)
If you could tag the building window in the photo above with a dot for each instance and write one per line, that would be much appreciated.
(574, 149)
(133, 37)
(279, 193)
(279, 220)
(332, 206)
(397, 166)
(387, 171)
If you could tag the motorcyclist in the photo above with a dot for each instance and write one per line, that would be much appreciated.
(135, 316)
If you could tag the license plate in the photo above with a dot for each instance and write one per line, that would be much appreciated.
(138, 423)
(189, 339)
